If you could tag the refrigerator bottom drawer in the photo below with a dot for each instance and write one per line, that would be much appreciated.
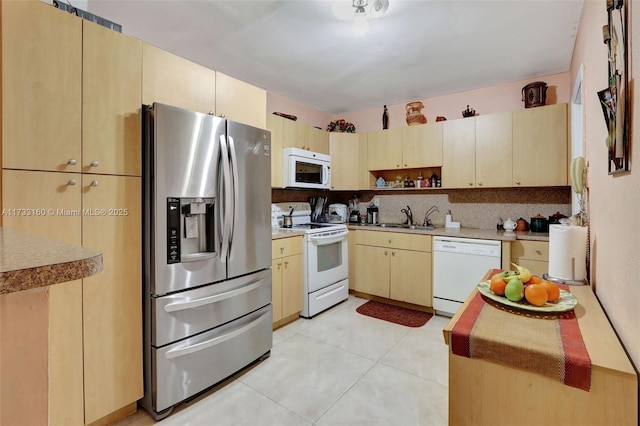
(195, 364)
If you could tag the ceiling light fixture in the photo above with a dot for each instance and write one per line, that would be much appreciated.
(359, 11)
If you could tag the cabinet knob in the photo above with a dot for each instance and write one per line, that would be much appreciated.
(393, 253)
(517, 182)
(71, 162)
(470, 183)
(95, 183)
(397, 165)
(385, 252)
(71, 182)
(281, 250)
(286, 263)
(405, 165)
(538, 251)
(389, 241)
(479, 183)
(279, 265)
(94, 164)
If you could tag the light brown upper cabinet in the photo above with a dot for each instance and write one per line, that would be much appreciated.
(111, 102)
(540, 145)
(172, 80)
(41, 87)
(459, 153)
(344, 149)
(494, 150)
(240, 101)
(316, 140)
(422, 146)
(275, 125)
(384, 149)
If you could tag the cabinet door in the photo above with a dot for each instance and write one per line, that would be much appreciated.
(384, 149)
(459, 153)
(276, 289)
(293, 134)
(372, 269)
(41, 87)
(365, 179)
(43, 203)
(112, 299)
(112, 84)
(422, 145)
(172, 80)
(410, 277)
(344, 149)
(291, 285)
(240, 101)
(494, 149)
(317, 140)
(540, 146)
(275, 126)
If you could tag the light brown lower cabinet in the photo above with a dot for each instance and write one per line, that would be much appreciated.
(286, 282)
(533, 255)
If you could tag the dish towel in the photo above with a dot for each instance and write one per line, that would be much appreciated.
(549, 344)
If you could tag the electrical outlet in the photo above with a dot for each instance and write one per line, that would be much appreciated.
(376, 201)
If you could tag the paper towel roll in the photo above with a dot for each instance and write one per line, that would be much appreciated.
(567, 243)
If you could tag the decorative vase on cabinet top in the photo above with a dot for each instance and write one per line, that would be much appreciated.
(414, 116)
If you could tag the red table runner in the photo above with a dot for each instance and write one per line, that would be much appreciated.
(549, 344)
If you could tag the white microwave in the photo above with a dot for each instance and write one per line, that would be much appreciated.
(306, 169)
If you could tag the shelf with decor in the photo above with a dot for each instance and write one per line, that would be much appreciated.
(394, 179)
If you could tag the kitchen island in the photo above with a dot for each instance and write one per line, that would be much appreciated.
(483, 392)
(41, 328)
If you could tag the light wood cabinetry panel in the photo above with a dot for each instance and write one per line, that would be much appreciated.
(372, 270)
(59, 204)
(366, 180)
(275, 126)
(459, 153)
(410, 277)
(286, 272)
(111, 101)
(172, 80)
(293, 134)
(384, 149)
(112, 300)
(317, 140)
(240, 101)
(494, 150)
(394, 265)
(533, 255)
(422, 145)
(540, 145)
(41, 87)
(344, 149)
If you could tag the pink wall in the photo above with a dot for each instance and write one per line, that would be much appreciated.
(306, 115)
(487, 100)
(614, 201)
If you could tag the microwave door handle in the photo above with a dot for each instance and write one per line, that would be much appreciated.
(227, 202)
(236, 193)
(325, 175)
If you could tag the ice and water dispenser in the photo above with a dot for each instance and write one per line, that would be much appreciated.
(190, 229)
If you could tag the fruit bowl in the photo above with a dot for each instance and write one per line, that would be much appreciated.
(566, 302)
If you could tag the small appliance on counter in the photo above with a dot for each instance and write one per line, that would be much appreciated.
(354, 210)
(372, 215)
(337, 213)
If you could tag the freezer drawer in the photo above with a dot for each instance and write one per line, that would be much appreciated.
(187, 313)
(195, 364)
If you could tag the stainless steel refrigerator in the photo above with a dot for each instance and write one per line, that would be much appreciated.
(206, 252)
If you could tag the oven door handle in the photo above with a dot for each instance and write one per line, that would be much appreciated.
(174, 353)
(182, 305)
(329, 239)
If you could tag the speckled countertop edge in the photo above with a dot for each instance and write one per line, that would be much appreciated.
(277, 233)
(486, 234)
(28, 261)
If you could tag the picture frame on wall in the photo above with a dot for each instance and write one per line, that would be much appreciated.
(614, 100)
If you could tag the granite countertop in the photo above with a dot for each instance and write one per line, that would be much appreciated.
(277, 233)
(28, 261)
(485, 234)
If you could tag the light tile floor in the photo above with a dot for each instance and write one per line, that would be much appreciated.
(339, 368)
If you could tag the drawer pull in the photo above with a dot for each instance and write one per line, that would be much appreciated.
(71, 162)
(94, 164)
(538, 251)
(95, 183)
(71, 182)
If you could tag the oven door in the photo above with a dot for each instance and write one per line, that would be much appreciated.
(326, 259)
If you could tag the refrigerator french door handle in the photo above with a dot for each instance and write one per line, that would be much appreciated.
(174, 353)
(227, 202)
(181, 306)
(236, 193)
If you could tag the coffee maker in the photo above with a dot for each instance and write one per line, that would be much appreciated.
(354, 209)
(372, 215)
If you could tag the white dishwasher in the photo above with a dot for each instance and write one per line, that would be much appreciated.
(458, 265)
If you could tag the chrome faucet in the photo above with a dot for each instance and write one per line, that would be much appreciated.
(427, 221)
(407, 212)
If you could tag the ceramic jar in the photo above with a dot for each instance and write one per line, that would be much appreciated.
(509, 225)
(414, 116)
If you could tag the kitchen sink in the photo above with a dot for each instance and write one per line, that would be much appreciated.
(394, 225)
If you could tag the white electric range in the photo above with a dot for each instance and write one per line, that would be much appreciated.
(325, 257)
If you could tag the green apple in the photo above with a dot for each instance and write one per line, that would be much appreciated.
(514, 290)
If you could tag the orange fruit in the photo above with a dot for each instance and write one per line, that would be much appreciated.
(553, 291)
(497, 285)
(534, 280)
(536, 294)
